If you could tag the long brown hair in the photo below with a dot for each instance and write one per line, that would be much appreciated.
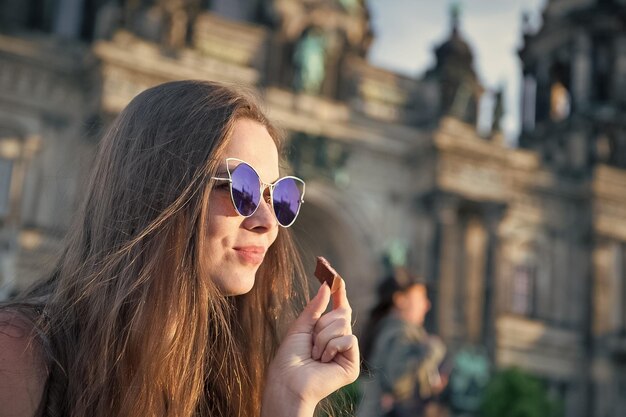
(128, 324)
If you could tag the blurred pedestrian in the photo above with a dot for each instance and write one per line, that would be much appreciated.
(402, 361)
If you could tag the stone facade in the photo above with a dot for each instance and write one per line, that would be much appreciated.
(525, 248)
(575, 105)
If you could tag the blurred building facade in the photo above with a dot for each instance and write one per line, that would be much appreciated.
(525, 248)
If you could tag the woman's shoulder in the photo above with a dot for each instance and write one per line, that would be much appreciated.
(392, 326)
(15, 327)
(389, 331)
(18, 345)
(23, 370)
(397, 332)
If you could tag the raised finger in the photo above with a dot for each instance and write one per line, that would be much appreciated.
(305, 323)
(339, 295)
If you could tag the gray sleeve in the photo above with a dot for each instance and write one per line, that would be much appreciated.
(399, 360)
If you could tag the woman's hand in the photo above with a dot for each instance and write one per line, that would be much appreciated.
(318, 356)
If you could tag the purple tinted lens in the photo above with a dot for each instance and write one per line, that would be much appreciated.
(246, 189)
(286, 201)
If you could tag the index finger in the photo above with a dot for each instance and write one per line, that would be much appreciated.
(339, 294)
(326, 274)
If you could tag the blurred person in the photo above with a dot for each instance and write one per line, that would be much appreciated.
(401, 360)
(178, 293)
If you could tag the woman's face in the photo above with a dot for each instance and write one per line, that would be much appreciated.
(413, 304)
(236, 245)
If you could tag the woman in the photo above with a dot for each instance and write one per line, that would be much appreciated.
(175, 293)
(402, 359)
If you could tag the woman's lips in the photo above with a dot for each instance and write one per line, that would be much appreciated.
(253, 255)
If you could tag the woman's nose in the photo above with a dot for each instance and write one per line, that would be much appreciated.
(263, 218)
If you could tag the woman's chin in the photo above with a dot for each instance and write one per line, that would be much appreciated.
(238, 286)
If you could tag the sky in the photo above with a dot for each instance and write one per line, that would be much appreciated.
(407, 31)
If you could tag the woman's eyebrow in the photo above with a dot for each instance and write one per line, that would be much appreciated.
(221, 172)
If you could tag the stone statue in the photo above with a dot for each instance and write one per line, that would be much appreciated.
(469, 379)
(498, 111)
(174, 33)
(163, 21)
(310, 61)
(108, 20)
(144, 18)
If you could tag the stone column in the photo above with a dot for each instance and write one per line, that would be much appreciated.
(602, 289)
(492, 293)
(430, 257)
(619, 285)
(474, 269)
(69, 18)
(560, 279)
(619, 71)
(447, 258)
(581, 71)
(422, 260)
(578, 308)
(542, 108)
(529, 102)
(12, 151)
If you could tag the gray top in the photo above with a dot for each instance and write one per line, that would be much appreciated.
(404, 365)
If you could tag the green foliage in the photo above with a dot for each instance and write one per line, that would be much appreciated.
(343, 403)
(515, 393)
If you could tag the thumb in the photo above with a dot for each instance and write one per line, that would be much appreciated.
(312, 312)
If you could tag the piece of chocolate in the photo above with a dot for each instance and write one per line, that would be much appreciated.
(324, 272)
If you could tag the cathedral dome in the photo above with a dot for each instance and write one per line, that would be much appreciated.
(455, 49)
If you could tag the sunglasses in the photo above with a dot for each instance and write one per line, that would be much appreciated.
(246, 188)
